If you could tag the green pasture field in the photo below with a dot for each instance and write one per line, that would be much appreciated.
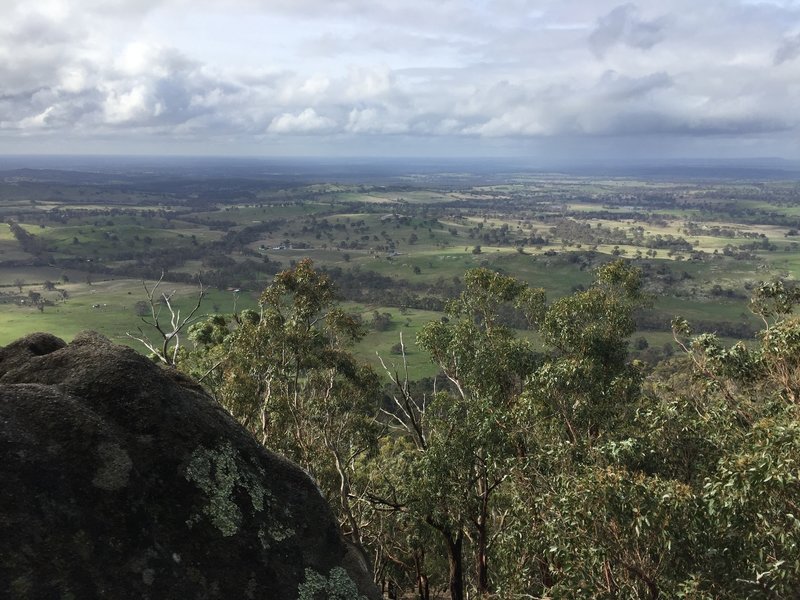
(10, 252)
(92, 242)
(734, 311)
(371, 198)
(107, 306)
(246, 214)
(393, 216)
(377, 345)
(786, 264)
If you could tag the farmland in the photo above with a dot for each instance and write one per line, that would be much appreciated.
(76, 247)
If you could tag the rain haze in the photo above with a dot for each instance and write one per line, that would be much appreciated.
(587, 79)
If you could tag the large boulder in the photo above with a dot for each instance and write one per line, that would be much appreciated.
(122, 479)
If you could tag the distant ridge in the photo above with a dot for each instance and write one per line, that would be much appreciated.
(376, 170)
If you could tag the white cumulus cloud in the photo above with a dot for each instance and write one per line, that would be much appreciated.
(122, 70)
(308, 121)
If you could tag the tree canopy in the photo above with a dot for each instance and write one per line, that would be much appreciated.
(542, 463)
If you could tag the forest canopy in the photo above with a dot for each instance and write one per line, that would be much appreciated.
(533, 466)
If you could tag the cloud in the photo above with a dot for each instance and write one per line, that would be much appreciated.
(617, 87)
(788, 50)
(307, 121)
(121, 70)
(623, 26)
(374, 121)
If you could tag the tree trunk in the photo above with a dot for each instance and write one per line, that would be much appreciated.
(456, 564)
(344, 497)
(482, 541)
(455, 560)
(423, 590)
(481, 562)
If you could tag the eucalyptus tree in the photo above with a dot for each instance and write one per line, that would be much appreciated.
(587, 385)
(458, 450)
(286, 373)
(747, 523)
(686, 487)
(577, 403)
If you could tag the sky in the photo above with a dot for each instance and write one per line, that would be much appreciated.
(549, 79)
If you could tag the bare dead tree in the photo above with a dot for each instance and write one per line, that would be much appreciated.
(410, 415)
(168, 326)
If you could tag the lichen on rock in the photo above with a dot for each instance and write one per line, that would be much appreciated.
(107, 456)
(215, 472)
(337, 586)
(219, 472)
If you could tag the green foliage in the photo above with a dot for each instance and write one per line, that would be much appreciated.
(286, 374)
(595, 323)
(775, 298)
(610, 532)
(559, 473)
(751, 510)
(586, 386)
(458, 450)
